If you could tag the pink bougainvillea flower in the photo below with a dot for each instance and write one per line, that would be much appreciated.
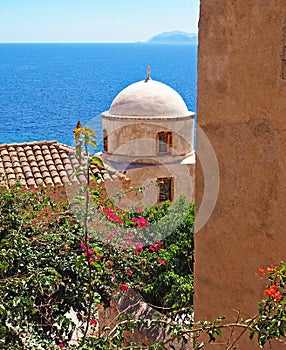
(117, 232)
(141, 222)
(139, 209)
(93, 322)
(61, 345)
(112, 216)
(90, 251)
(129, 272)
(53, 194)
(135, 251)
(139, 245)
(33, 223)
(110, 236)
(162, 262)
(98, 256)
(152, 248)
(124, 287)
(82, 245)
(91, 259)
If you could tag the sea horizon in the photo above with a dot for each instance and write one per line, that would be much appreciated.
(46, 87)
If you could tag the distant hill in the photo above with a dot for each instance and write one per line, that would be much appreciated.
(174, 37)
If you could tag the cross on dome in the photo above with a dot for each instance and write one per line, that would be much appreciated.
(148, 74)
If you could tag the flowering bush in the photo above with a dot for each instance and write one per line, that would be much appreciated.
(271, 319)
(53, 264)
(47, 261)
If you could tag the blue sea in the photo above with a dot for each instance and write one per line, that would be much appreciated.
(46, 88)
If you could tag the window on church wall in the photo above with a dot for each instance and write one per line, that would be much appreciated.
(105, 141)
(165, 189)
(164, 142)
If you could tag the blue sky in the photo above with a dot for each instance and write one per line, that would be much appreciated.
(94, 20)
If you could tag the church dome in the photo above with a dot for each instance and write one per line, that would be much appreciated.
(148, 98)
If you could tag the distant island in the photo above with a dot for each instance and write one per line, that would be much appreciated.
(173, 37)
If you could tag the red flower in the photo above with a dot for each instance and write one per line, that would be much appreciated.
(162, 262)
(271, 291)
(61, 345)
(261, 271)
(33, 223)
(129, 272)
(53, 194)
(82, 245)
(124, 287)
(93, 322)
(91, 259)
(277, 296)
(152, 248)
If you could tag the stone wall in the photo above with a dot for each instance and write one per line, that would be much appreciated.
(242, 110)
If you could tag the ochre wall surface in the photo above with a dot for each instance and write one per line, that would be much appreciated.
(242, 110)
(135, 137)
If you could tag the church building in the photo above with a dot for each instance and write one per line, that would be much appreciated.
(148, 134)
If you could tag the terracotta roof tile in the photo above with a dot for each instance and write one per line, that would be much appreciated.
(45, 163)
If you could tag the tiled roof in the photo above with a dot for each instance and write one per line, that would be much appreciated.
(45, 163)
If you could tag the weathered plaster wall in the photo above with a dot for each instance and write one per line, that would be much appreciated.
(183, 184)
(135, 137)
(242, 110)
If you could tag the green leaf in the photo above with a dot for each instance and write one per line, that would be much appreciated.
(89, 131)
(97, 160)
(93, 143)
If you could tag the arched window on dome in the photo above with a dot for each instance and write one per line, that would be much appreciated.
(105, 140)
(164, 142)
(166, 189)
